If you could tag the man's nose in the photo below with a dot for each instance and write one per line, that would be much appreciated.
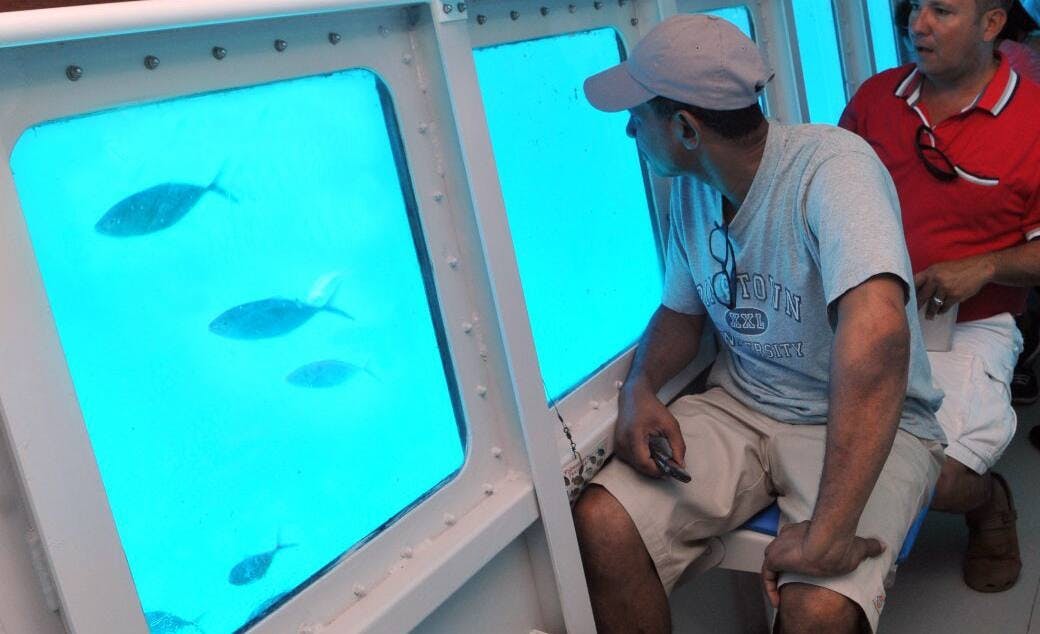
(918, 22)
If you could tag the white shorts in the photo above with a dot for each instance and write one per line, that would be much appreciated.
(975, 375)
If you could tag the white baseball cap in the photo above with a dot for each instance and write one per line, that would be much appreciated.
(701, 60)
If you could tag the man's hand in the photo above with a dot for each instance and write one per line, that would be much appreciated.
(640, 416)
(794, 551)
(952, 282)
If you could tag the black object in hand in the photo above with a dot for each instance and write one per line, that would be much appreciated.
(661, 452)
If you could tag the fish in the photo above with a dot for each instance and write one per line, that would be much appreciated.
(327, 373)
(155, 208)
(262, 609)
(160, 622)
(254, 567)
(277, 316)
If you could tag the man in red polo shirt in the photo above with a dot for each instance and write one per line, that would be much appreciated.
(960, 135)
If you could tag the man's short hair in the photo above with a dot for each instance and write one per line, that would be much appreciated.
(730, 124)
(983, 6)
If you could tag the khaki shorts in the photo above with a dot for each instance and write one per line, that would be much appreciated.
(741, 461)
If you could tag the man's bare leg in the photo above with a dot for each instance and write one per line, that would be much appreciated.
(992, 562)
(627, 596)
(809, 609)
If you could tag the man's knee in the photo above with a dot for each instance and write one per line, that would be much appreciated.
(606, 534)
(958, 489)
(809, 608)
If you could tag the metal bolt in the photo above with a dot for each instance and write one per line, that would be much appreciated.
(453, 262)
(449, 519)
(407, 552)
(467, 327)
(594, 404)
(597, 5)
(481, 19)
(359, 590)
(618, 384)
(423, 127)
(447, 8)
(481, 391)
(151, 62)
(544, 11)
(514, 15)
(406, 58)
(489, 489)
(496, 452)
(73, 73)
(334, 38)
(280, 45)
(572, 8)
(219, 52)
(461, 6)
(634, 21)
(438, 196)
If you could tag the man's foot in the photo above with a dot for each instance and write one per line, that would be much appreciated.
(1024, 389)
(992, 562)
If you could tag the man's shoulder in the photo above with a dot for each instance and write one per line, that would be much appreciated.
(827, 141)
(887, 82)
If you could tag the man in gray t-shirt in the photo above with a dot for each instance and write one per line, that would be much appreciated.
(788, 239)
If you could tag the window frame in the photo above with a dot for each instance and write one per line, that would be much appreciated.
(486, 505)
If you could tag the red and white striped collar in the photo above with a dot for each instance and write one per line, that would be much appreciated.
(994, 98)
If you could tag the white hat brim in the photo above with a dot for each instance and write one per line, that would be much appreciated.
(615, 89)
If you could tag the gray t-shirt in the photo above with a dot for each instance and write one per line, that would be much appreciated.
(821, 217)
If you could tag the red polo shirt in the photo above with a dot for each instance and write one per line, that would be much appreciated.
(994, 143)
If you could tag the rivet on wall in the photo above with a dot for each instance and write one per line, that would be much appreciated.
(73, 73)
(334, 38)
(514, 15)
(151, 62)
(219, 52)
(280, 45)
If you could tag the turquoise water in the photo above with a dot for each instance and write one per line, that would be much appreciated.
(739, 16)
(576, 200)
(822, 72)
(211, 456)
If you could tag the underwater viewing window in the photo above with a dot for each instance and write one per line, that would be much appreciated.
(740, 16)
(576, 200)
(244, 300)
(822, 73)
(883, 34)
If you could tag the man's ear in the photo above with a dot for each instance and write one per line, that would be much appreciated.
(687, 129)
(993, 22)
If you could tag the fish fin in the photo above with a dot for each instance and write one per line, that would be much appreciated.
(367, 370)
(217, 188)
(324, 289)
(333, 309)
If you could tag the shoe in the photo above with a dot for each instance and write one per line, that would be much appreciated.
(992, 562)
(1029, 325)
(1024, 390)
(1034, 436)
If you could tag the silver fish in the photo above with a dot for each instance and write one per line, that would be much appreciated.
(160, 622)
(254, 567)
(327, 373)
(262, 609)
(155, 208)
(276, 316)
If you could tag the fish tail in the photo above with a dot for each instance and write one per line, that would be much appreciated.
(217, 188)
(324, 289)
(341, 313)
(282, 545)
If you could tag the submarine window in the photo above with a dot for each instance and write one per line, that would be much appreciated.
(246, 308)
(577, 202)
(739, 16)
(818, 50)
(883, 34)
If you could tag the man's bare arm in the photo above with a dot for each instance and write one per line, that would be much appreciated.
(671, 341)
(869, 369)
(957, 280)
